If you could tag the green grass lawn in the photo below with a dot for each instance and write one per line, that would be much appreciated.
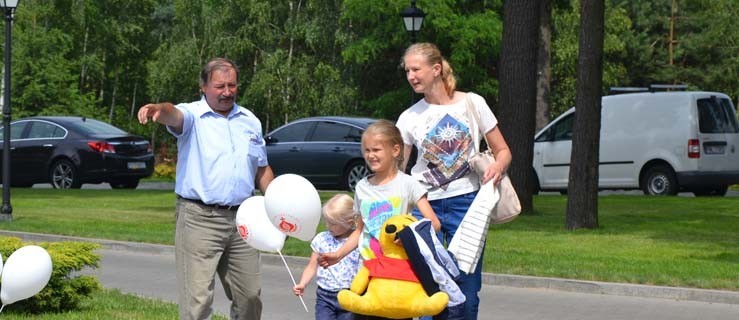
(672, 241)
(108, 304)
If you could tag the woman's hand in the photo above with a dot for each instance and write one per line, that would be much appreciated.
(499, 147)
(494, 173)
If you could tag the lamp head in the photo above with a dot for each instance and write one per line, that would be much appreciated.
(412, 17)
(8, 4)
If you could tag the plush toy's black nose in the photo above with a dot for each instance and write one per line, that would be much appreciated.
(390, 228)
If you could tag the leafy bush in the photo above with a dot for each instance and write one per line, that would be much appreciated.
(65, 290)
(165, 170)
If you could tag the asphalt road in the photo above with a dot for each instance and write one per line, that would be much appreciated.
(152, 275)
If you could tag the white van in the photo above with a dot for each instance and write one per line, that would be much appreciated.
(660, 142)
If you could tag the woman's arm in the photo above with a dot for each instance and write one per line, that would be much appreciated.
(503, 156)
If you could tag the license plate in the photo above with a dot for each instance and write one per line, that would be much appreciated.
(714, 149)
(137, 165)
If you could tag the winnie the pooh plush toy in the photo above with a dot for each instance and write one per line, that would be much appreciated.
(386, 286)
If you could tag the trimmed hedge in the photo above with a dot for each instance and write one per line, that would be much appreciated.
(65, 290)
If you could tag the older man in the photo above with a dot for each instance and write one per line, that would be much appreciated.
(221, 159)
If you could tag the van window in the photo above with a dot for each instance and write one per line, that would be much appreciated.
(716, 115)
(562, 130)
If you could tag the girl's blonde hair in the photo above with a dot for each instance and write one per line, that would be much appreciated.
(339, 210)
(433, 56)
(389, 133)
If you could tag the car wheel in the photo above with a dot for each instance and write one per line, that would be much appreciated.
(355, 172)
(130, 183)
(715, 191)
(660, 180)
(64, 175)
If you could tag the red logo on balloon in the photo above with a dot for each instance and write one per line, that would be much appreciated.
(243, 231)
(287, 226)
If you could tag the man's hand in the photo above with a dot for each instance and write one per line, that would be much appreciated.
(152, 110)
(164, 113)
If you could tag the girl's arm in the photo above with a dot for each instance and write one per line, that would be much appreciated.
(424, 206)
(328, 259)
(308, 273)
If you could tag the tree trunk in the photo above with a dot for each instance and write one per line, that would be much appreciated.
(544, 64)
(132, 115)
(102, 79)
(518, 91)
(582, 203)
(112, 98)
(84, 64)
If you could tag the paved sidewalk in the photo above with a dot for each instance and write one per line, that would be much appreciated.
(148, 270)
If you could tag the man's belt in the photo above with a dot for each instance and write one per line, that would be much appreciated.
(212, 206)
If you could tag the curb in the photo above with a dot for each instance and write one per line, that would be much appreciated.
(516, 281)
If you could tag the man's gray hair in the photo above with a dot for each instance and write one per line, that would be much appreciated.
(220, 64)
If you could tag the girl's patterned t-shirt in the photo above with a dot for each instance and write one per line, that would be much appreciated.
(338, 276)
(378, 203)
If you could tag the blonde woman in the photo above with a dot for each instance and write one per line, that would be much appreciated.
(439, 126)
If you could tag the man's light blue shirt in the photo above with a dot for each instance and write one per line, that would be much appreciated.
(218, 156)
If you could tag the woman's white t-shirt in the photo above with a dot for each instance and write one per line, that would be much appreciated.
(442, 135)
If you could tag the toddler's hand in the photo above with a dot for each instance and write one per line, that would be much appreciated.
(298, 289)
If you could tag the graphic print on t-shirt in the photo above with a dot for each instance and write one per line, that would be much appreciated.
(375, 213)
(446, 147)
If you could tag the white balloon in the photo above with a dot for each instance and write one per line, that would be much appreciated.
(255, 228)
(293, 206)
(1, 263)
(26, 272)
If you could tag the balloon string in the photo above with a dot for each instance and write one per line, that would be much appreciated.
(291, 277)
(1, 308)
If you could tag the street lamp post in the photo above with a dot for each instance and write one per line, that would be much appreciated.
(6, 212)
(412, 18)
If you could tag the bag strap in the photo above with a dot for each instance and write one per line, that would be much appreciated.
(472, 112)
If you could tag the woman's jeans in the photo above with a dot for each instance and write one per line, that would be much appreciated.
(327, 306)
(450, 212)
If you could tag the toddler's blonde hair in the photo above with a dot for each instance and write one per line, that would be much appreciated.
(339, 210)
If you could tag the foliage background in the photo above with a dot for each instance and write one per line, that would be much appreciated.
(105, 59)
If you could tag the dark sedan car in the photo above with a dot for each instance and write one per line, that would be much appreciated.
(325, 150)
(70, 151)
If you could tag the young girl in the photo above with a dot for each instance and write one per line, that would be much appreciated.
(339, 216)
(385, 193)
